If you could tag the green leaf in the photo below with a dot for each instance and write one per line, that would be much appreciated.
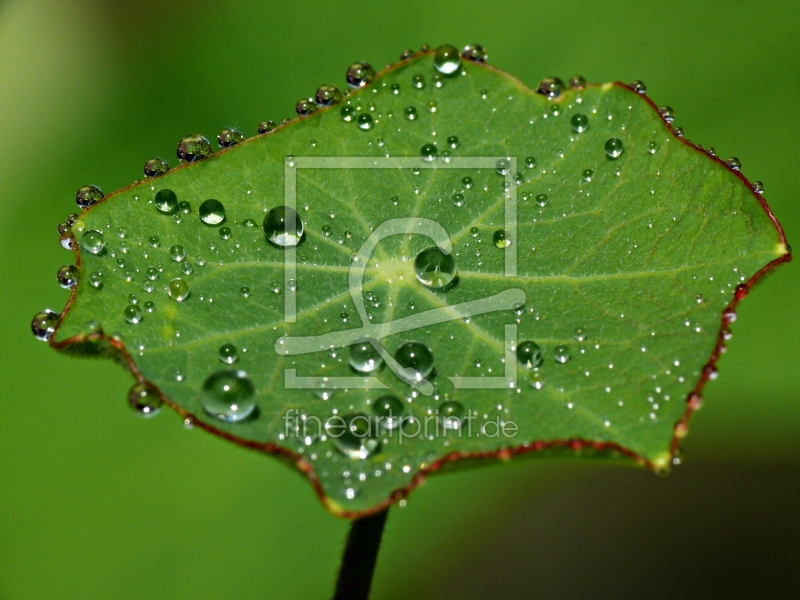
(625, 270)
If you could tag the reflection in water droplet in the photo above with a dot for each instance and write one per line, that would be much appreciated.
(155, 167)
(93, 242)
(212, 212)
(178, 289)
(550, 87)
(734, 163)
(638, 87)
(474, 52)
(193, 147)
(434, 268)
(561, 354)
(177, 253)
(327, 94)
(225, 232)
(529, 355)
(283, 227)
(266, 126)
(43, 324)
(501, 238)
(614, 148)
(364, 358)
(68, 276)
(305, 106)
(228, 396)
(88, 195)
(144, 399)
(580, 123)
(359, 74)
(667, 113)
(229, 137)
(132, 314)
(228, 354)
(166, 202)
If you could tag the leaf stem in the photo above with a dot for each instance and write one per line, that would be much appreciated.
(360, 555)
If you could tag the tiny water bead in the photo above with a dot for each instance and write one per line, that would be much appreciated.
(452, 141)
(410, 112)
(353, 436)
(577, 82)
(225, 232)
(734, 163)
(93, 241)
(536, 380)
(184, 207)
(428, 152)
(365, 121)
(652, 147)
(418, 82)
(154, 241)
(283, 227)
(417, 357)
(327, 94)
(501, 238)
(177, 253)
(561, 354)
(96, 280)
(212, 212)
(43, 324)
(390, 409)
(327, 230)
(530, 355)
(530, 162)
(88, 195)
(447, 60)
(228, 396)
(228, 354)
(244, 291)
(132, 314)
(186, 268)
(359, 74)
(580, 123)
(580, 334)
(145, 399)
(614, 148)
(364, 358)
(458, 199)
(178, 289)
(395, 89)
(466, 182)
(434, 268)
(550, 87)
(166, 202)
(474, 232)
(266, 126)
(149, 306)
(193, 147)
(587, 174)
(229, 137)
(348, 113)
(475, 53)
(155, 166)
(67, 276)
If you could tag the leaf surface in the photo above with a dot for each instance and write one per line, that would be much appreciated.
(625, 271)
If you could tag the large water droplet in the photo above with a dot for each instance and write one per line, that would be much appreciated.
(212, 212)
(228, 396)
(529, 355)
(229, 137)
(364, 358)
(434, 268)
(365, 121)
(390, 409)
(359, 74)
(193, 147)
(614, 148)
(328, 94)
(178, 289)
(447, 59)
(155, 167)
(93, 242)
(144, 399)
(305, 106)
(428, 152)
(166, 202)
(580, 123)
(417, 358)
(177, 253)
(283, 227)
(68, 276)
(43, 324)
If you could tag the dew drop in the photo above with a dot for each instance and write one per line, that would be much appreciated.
(418, 82)
(132, 314)
(225, 232)
(452, 141)
(359, 74)
(577, 82)
(355, 438)
(410, 112)
(178, 289)
(93, 242)
(228, 354)
(734, 163)
(638, 87)
(229, 137)
(88, 195)
(447, 59)
(475, 53)
(266, 126)
(145, 399)
(587, 174)
(466, 182)
(451, 412)
(228, 396)
(529, 355)
(155, 166)
(550, 87)
(327, 94)
(193, 147)
(244, 291)
(305, 106)
(501, 238)
(458, 199)
(177, 253)
(44, 323)
(417, 358)
(365, 121)
(580, 123)
(530, 162)
(390, 409)
(428, 152)
(614, 148)
(67, 276)
(166, 202)
(561, 354)
(283, 227)
(364, 358)
(652, 147)
(667, 113)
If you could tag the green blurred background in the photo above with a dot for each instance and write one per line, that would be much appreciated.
(96, 503)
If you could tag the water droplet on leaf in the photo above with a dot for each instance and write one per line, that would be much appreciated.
(228, 396)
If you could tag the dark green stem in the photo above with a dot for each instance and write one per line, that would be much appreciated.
(360, 554)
